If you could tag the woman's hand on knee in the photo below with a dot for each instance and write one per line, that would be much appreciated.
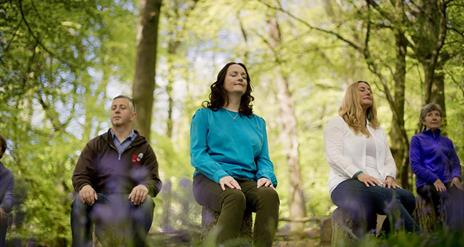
(229, 182)
(391, 183)
(439, 185)
(264, 182)
(368, 180)
(457, 182)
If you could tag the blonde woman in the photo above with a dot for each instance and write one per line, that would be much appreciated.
(362, 170)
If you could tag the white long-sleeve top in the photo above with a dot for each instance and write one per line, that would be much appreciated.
(346, 152)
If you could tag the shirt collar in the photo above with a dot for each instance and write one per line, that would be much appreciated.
(131, 136)
(435, 133)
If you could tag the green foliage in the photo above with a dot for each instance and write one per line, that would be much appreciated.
(61, 60)
(56, 58)
(400, 239)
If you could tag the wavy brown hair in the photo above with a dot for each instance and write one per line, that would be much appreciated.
(218, 96)
(352, 112)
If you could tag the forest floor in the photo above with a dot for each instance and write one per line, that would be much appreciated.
(184, 239)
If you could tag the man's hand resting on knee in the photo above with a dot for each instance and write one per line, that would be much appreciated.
(88, 195)
(138, 194)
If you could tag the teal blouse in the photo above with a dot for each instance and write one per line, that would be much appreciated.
(225, 143)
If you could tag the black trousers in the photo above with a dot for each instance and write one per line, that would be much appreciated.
(115, 218)
(448, 205)
(363, 203)
(232, 203)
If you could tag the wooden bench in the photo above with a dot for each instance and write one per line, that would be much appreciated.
(209, 219)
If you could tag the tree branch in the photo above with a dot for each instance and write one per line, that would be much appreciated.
(31, 32)
(305, 23)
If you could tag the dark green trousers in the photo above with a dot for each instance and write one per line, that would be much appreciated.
(232, 203)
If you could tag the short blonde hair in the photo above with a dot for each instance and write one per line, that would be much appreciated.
(352, 112)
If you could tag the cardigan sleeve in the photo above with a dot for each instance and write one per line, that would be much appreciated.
(333, 140)
(199, 155)
(390, 165)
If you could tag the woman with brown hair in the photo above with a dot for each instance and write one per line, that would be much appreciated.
(229, 150)
(362, 170)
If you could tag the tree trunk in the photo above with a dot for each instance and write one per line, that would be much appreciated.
(145, 66)
(399, 142)
(289, 137)
(172, 49)
(432, 30)
(289, 133)
(438, 91)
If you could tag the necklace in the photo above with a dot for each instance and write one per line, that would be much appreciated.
(231, 115)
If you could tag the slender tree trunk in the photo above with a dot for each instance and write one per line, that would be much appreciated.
(438, 90)
(145, 70)
(289, 133)
(176, 13)
(173, 44)
(430, 38)
(289, 137)
(399, 142)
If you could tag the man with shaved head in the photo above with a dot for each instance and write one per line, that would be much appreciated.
(114, 179)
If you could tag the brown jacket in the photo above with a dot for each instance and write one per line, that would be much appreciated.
(100, 167)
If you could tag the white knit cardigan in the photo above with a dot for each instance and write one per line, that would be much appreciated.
(346, 152)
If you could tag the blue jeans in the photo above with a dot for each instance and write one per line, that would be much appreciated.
(114, 217)
(363, 203)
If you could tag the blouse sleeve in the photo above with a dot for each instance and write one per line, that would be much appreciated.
(264, 163)
(199, 156)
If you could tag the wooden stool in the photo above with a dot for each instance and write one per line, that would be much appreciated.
(209, 219)
(342, 232)
(425, 215)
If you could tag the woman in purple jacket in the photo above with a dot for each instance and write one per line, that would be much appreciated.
(437, 168)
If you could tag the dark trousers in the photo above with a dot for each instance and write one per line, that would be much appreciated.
(115, 218)
(3, 228)
(363, 203)
(231, 205)
(448, 205)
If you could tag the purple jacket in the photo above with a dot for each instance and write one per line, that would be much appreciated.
(432, 156)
